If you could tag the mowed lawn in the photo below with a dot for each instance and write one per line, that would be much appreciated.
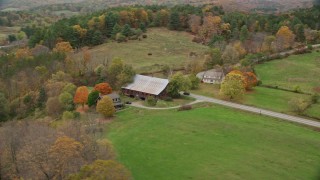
(167, 48)
(213, 143)
(297, 70)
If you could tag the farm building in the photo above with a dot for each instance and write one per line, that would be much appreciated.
(212, 76)
(115, 98)
(144, 86)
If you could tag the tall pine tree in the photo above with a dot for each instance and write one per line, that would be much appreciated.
(174, 21)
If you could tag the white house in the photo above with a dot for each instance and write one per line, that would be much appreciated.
(212, 76)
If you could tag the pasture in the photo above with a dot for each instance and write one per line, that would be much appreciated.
(167, 48)
(296, 71)
(213, 142)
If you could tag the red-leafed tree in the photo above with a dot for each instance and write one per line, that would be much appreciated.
(81, 95)
(103, 88)
(250, 80)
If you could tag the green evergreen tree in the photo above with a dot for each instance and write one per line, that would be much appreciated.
(244, 33)
(143, 27)
(92, 98)
(299, 31)
(42, 98)
(126, 30)
(110, 21)
(115, 30)
(97, 38)
(174, 21)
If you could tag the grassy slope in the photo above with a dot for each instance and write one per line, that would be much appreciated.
(167, 47)
(213, 143)
(297, 70)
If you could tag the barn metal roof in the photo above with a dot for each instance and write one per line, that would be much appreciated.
(147, 84)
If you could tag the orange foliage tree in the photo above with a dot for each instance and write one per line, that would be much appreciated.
(81, 95)
(285, 38)
(250, 80)
(103, 88)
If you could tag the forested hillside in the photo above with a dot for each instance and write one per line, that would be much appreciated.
(244, 5)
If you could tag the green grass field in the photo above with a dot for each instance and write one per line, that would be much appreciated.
(272, 99)
(213, 143)
(296, 70)
(167, 47)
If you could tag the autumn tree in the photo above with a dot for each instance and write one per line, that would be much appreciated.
(101, 169)
(268, 42)
(103, 88)
(24, 53)
(240, 49)
(66, 99)
(119, 74)
(230, 55)
(63, 47)
(194, 23)
(232, 86)
(251, 80)
(285, 38)
(81, 95)
(106, 107)
(53, 107)
(66, 151)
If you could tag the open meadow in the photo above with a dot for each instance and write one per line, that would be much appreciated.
(296, 71)
(213, 142)
(167, 48)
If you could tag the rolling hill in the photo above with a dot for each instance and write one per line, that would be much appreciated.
(243, 5)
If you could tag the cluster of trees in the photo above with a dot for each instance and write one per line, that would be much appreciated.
(97, 97)
(179, 82)
(236, 83)
(33, 149)
(37, 80)
(210, 24)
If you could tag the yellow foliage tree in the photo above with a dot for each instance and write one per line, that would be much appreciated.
(285, 38)
(105, 107)
(81, 31)
(239, 47)
(63, 47)
(232, 86)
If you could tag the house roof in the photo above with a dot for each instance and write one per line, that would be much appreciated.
(211, 74)
(147, 84)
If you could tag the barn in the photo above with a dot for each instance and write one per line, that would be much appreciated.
(144, 86)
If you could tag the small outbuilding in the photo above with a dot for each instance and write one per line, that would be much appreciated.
(144, 86)
(212, 76)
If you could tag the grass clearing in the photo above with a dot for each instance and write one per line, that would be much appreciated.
(213, 143)
(296, 70)
(272, 99)
(183, 100)
(5, 31)
(167, 47)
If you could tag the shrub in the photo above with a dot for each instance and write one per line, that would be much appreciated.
(68, 115)
(120, 37)
(310, 47)
(168, 98)
(298, 105)
(144, 36)
(297, 89)
(315, 98)
(185, 108)
(151, 101)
